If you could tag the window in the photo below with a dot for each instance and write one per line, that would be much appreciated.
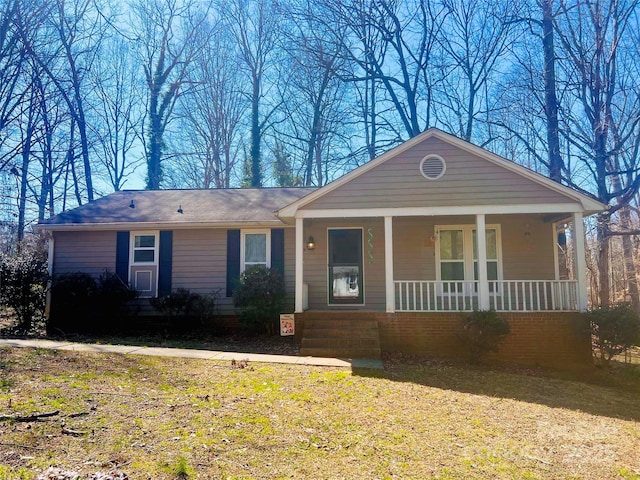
(254, 248)
(143, 263)
(491, 237)
(145, 247)
(457, 254)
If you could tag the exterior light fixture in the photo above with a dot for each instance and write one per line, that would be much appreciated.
(311, 244)
(132, 205)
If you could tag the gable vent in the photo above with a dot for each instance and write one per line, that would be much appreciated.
(432, 167)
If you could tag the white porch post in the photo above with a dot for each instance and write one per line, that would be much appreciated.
(580, 261)
(483, 282)
(299, 306)
(388, 265)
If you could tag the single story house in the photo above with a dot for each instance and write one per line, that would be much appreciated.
(387, 257)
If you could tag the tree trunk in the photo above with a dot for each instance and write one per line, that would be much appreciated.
(154, 147)
(603, 259)
(256, 134)
(630, 267)
(24, 173)
(551, 100)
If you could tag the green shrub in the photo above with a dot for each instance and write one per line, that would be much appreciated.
(114, 300)
(80, 303)
(260, 296)
(23, 283)
(483, 330)
(613, 331)
(184, 309)
(72, 301)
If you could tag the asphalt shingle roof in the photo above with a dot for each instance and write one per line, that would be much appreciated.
(212, 206)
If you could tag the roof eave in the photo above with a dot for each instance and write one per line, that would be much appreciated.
(157, 225)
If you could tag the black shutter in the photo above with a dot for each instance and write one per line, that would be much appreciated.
(122, 256)
(164, 262)
(277, 250)
(233, 260)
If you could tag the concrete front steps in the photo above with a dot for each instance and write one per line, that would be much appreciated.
(349, 334)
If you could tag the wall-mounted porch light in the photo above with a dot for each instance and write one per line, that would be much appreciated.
(311, 244)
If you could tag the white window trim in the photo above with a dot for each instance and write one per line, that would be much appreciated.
(132, 248)
(243, 234)
(467, 258)
(145, 293)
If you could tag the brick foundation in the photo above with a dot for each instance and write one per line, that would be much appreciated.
(550, 339)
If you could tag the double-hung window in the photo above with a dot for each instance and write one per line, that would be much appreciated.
(255, 248)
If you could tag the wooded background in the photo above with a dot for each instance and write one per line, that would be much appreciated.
(96, 95)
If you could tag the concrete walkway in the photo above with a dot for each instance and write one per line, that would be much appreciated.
(189, 353)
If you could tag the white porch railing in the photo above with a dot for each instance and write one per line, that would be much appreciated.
(504, 296)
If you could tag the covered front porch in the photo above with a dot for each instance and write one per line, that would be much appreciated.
(445, 260)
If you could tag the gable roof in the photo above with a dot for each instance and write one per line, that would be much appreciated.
(154, 208)
(587, 204)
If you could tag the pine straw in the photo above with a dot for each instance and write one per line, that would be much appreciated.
(175, 418)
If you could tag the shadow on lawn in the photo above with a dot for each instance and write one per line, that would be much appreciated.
(199, 340)
(614, 393)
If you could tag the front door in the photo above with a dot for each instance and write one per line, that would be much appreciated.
(345, 266)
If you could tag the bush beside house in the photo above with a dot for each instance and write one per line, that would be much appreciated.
(185, 310)
(483, 330)
(260, 296)
(614, 330)
(23, 283)
(80, 303)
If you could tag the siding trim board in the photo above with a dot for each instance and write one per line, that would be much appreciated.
(439, 211)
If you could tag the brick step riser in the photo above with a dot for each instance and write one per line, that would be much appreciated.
(338, 323)
(339, 343)
(341, 353)
(340, 332)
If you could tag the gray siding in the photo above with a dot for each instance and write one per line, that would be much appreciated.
(199, 259)
(468, 180)
(524, 257)
(199, 255)
(200, 264)
(316, 263)
(89, 252)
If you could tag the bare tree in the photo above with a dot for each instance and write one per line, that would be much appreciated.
(550, 90)
(207, 136)
(254, 25)
(315, 113)
(12, 59)
(169, 34)
(117, 113)
(478, 38)
(392, 44)
(600, 45)
(65, 51)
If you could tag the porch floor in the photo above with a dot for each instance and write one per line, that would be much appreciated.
(340, 334)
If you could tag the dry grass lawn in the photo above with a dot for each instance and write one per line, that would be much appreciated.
(173, 418)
